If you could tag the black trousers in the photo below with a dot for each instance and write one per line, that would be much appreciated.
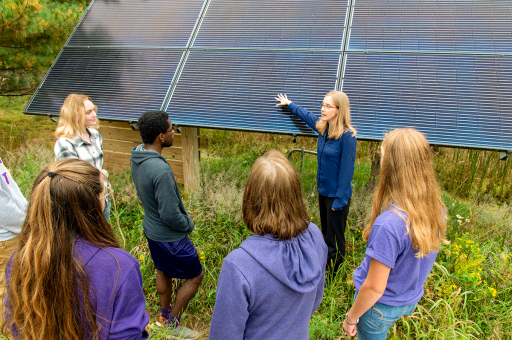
(333, 225)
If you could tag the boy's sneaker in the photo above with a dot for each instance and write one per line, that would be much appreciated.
(176, 331)
(161, 321)
(182, 332)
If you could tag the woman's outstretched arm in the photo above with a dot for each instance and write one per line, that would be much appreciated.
(307, 117)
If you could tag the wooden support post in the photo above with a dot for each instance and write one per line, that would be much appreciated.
(191, 164)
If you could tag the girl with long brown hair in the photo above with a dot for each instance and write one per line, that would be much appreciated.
(336, 153)
(270, 287)
(68, 279)
(406, 229)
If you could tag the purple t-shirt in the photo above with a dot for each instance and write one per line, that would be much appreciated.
(390, 244)
(115, 291)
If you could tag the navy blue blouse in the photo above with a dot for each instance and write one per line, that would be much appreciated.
(336, 159)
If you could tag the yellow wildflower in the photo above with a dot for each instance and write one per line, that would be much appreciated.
(493, 291)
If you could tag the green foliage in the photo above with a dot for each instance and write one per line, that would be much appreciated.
(32, 32)
(474, 174)
(17, 129)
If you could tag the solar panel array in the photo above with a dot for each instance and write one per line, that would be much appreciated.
(443, 67)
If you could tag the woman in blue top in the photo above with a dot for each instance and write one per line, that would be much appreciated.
(336, 155)
(403, 240)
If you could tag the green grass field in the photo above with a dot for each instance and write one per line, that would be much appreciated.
(468, 294)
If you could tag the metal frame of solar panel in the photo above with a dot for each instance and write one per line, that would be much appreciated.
(442, 67)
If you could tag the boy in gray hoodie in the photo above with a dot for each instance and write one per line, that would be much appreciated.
(12, 214)
(166, 222)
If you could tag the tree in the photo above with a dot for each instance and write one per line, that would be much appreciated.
(32, 32)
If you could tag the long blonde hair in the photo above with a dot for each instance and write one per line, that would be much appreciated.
(343, 122)
(48, 290)
(72, 117)
(408, 184)
(272, 202)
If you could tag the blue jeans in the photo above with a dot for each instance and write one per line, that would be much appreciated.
(375, 323)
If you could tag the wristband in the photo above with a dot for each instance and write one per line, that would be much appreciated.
(350, 324)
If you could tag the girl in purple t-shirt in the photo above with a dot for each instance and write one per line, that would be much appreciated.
(402, 241)
(68, 278)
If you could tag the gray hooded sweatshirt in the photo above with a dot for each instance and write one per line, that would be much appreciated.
(165, 216)
(13, 205)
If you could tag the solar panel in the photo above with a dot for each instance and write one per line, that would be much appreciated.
(454, 100)
(296, 24)
(442, 66)
(236, 89)
(122, 83)
(464, 26)
(138, 23)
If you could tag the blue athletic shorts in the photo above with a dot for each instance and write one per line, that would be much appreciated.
(177, 259)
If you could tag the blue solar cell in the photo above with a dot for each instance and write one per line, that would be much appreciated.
(236, 90)
(454, 100)
(474, 26)
(122, 83)
(299, 24)
(138, 23)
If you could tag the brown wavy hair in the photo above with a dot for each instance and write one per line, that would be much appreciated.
(272, 202)
(72, 116)
(343, 123)
(408, 184)
(43, 301)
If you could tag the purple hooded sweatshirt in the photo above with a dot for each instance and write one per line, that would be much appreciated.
(269, 289)
(115, 291)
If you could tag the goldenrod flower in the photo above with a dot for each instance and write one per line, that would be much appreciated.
(493, 291)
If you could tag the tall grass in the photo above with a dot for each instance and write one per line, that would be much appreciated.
(17, 129)
(474, 174)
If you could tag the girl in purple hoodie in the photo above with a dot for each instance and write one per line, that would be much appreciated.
(270, 287)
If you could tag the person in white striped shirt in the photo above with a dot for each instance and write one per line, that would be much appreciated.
(77, 136)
